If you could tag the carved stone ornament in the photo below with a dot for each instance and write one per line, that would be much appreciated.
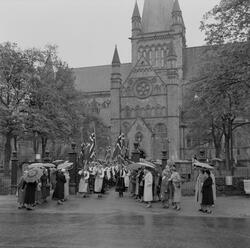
(143, 88)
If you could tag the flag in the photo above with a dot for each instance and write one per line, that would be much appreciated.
(90, 148)
(119, 146)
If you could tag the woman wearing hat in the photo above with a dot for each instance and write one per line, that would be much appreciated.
(84, 182)
(176, 180)
(59, 189)
(207, 191)
(165, 190)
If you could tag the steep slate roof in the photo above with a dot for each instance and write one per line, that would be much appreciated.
(157, 15)
(97, 78)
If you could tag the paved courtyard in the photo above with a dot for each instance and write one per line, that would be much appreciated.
(113, 222)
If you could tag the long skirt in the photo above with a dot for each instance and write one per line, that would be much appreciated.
(66, 189)
(120, 185)
(30, 193)
(98, 185)
(21, 196)
(177, 194)
(126, 181)
(83, 186)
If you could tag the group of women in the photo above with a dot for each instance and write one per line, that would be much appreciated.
(36, 192)
(148, 185)
(205, 191)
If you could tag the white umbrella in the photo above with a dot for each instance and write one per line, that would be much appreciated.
(66, 165)
(202, 165)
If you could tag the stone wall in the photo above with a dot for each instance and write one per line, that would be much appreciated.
(237, 187)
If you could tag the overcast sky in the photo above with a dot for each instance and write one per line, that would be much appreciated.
(85, 31)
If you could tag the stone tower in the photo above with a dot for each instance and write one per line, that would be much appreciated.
(149, 102)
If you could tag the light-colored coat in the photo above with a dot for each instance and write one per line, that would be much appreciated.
(83, 184)
(198, 188)
(213, 186)
(148, 192)
(176, 179)
(99, 175)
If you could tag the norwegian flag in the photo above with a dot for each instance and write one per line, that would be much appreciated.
(119, 146)
(91, 147)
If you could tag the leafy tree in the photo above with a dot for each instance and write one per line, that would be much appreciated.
(223, 81)
(16, 70)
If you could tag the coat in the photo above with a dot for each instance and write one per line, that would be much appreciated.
(84, 183)
(165, 186)
(99, 175)
(148, 186)
(66, 185)
(59, 189)
(21, 191)
(207, 192)
(198, 188)
(176, 180)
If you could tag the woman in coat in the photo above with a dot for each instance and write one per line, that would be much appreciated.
(176, 181)
(66, 185)
(44, 186)
(165, 190)
(84, 182)
(148, 188)
(198, 188)
(30, 194)
(21, 193)
(207, 193)
(59, 188)
(99, 175)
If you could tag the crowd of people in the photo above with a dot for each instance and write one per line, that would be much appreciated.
(144, 184)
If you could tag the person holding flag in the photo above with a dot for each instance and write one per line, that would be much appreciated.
(119, 146)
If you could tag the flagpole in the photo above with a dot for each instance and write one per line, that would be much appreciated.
(95, 140)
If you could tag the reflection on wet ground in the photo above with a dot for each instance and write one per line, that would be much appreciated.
(121, 230)
(111, 222)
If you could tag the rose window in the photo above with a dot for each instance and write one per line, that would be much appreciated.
(143, 89)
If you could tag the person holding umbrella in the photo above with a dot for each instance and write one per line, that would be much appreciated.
(30, 182)
(59, 189)
(207, 191)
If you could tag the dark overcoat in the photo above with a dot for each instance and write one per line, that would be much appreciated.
(59, 190)
(30, 193)
(120, 183)
(207, 192)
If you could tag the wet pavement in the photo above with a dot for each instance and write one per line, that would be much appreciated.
(116, 223)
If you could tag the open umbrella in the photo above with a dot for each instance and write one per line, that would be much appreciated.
(57, 162)
(202, 165)
(33, 175)
(48, 165)
(66, 165)
(136, 166)
(35, 165)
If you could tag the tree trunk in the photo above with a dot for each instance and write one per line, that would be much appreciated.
(217, 150)
(44, 145)
(35, 143)
(15, 143)
(7, 152)
(227, 151)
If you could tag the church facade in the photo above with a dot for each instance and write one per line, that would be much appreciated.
(143, 99)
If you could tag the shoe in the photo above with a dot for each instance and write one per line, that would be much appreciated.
(149, 206)
(178, 209)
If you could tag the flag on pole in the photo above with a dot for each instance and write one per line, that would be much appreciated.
(119, 146)
(91, 147)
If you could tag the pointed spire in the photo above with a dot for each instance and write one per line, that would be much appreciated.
(176, 7)
(136, 12)
(116, 59)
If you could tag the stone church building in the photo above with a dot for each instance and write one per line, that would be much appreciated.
(143, 98)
